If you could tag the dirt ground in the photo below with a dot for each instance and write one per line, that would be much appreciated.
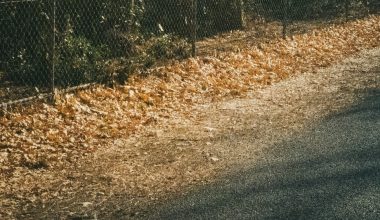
(172, 156)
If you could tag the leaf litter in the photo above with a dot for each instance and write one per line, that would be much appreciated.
(42, 148)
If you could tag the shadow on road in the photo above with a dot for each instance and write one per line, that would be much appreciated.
(331, 172)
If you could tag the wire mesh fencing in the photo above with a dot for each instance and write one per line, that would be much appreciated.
(293, 13)
(49, 45)
(26, 34)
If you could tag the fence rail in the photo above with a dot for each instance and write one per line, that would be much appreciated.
(48, 46)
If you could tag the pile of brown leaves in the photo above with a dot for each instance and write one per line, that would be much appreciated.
(46, 137)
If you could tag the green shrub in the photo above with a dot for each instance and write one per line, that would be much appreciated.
(120, 68)
(123, 44)
(168, 47)
(78, 61)
(24, 43)
(148, 53)
(28, 68)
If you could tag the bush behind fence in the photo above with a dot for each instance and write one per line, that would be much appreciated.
(49, 44)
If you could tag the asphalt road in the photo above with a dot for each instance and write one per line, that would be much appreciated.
(332, 171)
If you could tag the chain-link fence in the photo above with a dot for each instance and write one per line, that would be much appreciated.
(49, 45)
(26, 33)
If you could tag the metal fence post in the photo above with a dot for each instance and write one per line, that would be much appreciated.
(132, 16)
(52, 51)
(285, 18)
(242, 14)
(194, 28)
(346, 8)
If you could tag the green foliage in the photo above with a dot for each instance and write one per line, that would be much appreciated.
(137, 32)
(168, 47)
(121, 68)
(78, 61)
(176, 17)
(24, 43)
(125, 15)
(124, 44)
(157, 48)
(307, 9)
(26, 68)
